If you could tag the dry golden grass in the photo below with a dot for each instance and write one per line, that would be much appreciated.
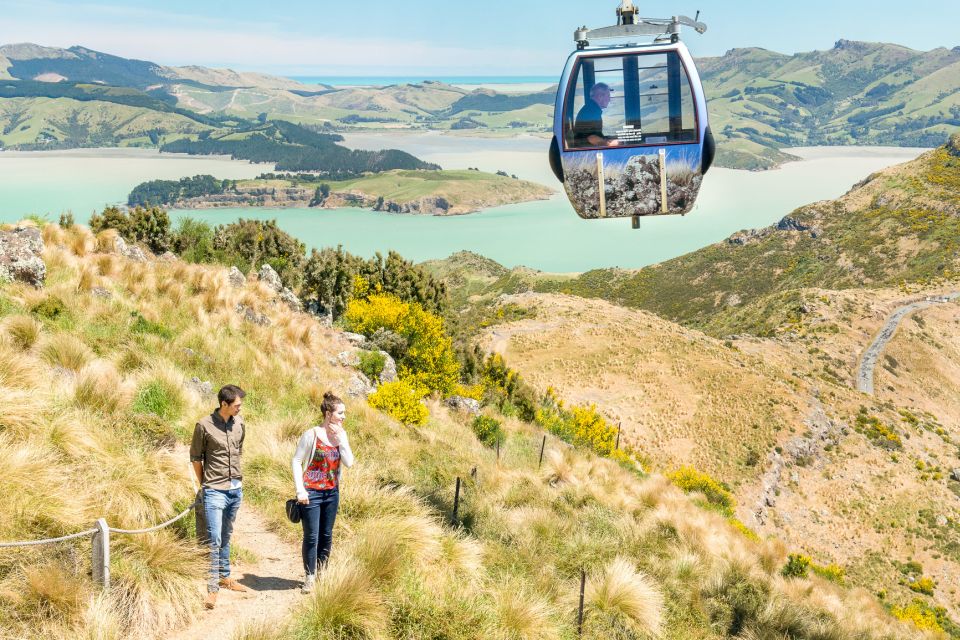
(626, 596)
(64, 350)
(106, 241)
(154, 578)
(17, 369)
(88, 278)
(24, 331)
(21, 412)
(99, 388)
(80, 240)
(522, 615)
(346, 598)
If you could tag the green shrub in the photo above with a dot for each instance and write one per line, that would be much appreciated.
(401, 400)
(489, 430)
(142, 325)
(251, 243)
(372, 363)
(193, 241)
(877, 432)
(151, 226)
(832, 572)
(922, 615)
(161, 398)
(798, 565)
(689, 479)
(923, 585)
(51, 308)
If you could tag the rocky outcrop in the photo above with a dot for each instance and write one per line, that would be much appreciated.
(791, 224)
(250, 315)
(20, 256)
(359, 386)
(389, 372)
(236, 278)
(290, 299)
(460, 403)
(130, 251)
(803, 451)
(271, 278)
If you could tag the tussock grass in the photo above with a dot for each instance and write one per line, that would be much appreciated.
(24, 331)
(17, 370)
(346, 604)
(64, 350)
(154, 577)
(99, 388)
(80, 240)
(522, 615)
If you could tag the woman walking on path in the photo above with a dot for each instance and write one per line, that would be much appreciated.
(316, 467)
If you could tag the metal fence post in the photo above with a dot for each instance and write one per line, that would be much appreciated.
(542, 446)
(101, 554)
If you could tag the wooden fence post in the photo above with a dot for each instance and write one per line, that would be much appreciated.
(542, 446)
(456, 503)
(583, 584)
(619, 426)
(101, 554)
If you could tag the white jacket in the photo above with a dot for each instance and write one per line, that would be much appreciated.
(306, 447)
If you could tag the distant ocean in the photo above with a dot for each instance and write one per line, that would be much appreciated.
(367, 81)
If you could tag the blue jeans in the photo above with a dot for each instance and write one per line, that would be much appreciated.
(317, 519)
(220, 508)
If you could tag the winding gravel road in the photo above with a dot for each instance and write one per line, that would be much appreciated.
(869, 360)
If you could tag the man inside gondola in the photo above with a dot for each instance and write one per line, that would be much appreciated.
(588, 126)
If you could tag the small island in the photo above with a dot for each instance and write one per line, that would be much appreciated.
(421, 191)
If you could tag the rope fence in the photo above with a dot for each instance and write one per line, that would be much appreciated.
(100, 539)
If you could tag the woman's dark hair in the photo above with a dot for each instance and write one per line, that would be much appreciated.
(229, 394)
(330, 402)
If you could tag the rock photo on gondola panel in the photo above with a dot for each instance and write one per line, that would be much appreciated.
(633, 187)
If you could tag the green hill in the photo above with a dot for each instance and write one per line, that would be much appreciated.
(854, 93)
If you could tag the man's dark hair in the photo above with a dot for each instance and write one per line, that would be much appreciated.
(229, 393)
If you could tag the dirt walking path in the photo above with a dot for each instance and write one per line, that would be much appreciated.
(868, 361)
(274, 580)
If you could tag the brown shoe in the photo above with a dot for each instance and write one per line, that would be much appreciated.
(210, 601)
(232, 585)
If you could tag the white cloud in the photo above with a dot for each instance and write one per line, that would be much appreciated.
(149, 35)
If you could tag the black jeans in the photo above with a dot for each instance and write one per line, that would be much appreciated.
(317, 519)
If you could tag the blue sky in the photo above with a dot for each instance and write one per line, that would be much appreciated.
(431, 38)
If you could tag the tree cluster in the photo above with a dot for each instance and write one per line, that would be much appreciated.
(295, 148)
(167, 192)
(147, 225)
(333, 277)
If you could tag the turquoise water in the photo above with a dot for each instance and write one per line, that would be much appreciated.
(367, 81)
(545, 235)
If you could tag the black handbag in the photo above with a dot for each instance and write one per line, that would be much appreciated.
(293, 510)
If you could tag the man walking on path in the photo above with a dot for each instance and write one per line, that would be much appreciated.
(215, 453)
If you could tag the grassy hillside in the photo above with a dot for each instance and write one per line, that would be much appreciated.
(899, 226)
(63, 122)
(854, 93)
(102, 404)
(779, 421)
